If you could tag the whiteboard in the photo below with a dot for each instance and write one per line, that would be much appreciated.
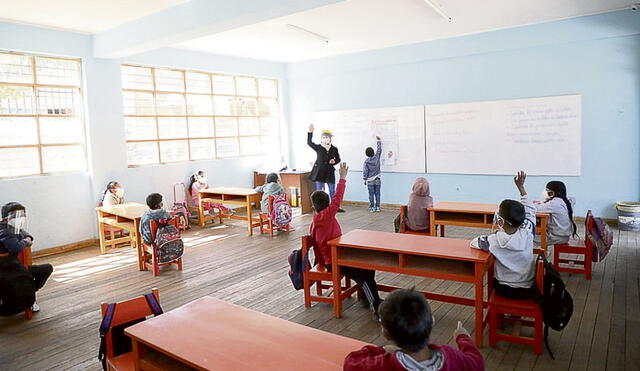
(541, 136)
(401, 130)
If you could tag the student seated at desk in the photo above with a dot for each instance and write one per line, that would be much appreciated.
(271, 188)
(113, 195)
(13, 239)
(198, 182)
(560, 207)
(407, 321)
(325, 227)
(512, 245)
(156, 212)
(420, 199)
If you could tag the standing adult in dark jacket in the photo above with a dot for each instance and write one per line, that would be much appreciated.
(13, 239)
(327, 156)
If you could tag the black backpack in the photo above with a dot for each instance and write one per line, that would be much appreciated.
(17, 289)
(297, 266)
(556, 302)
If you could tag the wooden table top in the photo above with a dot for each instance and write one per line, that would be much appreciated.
(439, 247)
(468, 207)
(129, 210)
(217, 335)
(231, 191)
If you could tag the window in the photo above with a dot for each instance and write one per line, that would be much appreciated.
(41, 117)
(175, 115)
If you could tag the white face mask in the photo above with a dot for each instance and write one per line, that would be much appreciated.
(498, 223)
(202, 180)
(545, 195)
(119, 192)
(326, 141)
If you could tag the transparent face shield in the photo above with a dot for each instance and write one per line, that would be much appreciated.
(17, 221)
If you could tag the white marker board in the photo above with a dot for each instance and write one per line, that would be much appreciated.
(539, 135)
(401, 130)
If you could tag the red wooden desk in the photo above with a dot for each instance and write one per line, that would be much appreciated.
(440, 258)
(476, 215)
(210, 334)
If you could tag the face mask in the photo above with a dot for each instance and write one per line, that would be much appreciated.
(119, 192)
(202, 180)
(545, 195)
(326, 141)
(17, 221)
(498, 223)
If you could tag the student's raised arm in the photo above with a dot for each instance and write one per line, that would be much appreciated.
(471, 358)
(342, 185)
(378, 149)
(529, 208)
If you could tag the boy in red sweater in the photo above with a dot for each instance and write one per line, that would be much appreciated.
(325, 227)
(407, 321)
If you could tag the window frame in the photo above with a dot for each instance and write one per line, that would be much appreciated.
(37, 115)
(212, 94)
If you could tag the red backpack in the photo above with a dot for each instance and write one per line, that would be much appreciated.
(281, 212)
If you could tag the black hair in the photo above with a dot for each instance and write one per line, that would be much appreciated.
(194, 178)
(406, 316)
(320, 200)
(560, 190)
(513, 212)
(154, 200)
(369, 152)
(10, 207)
(111, 185)
(272, 178)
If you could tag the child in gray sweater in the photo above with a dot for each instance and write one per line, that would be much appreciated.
(271, 188)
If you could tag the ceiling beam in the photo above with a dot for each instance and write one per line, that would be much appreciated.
(194, 19)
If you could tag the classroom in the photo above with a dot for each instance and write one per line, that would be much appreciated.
(327, 184)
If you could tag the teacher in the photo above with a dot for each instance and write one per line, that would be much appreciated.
(327, 157)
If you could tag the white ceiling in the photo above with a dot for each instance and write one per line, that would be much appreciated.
(358, 25)
(88, 16)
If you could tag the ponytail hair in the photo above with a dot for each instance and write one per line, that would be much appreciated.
(560, 190)
(111, 185)
(194, 178)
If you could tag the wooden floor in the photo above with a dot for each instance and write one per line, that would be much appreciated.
(222, 261)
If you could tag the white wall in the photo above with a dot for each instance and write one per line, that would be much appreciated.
(61, 207)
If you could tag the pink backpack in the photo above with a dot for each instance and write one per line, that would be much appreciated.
(281, 212)
(179, 207)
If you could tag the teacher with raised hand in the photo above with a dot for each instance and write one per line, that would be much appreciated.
(327, 157)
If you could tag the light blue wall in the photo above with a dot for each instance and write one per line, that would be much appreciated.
(596, 56)
(61, 207)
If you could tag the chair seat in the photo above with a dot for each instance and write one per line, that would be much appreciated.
(522, 304)
(122, 362)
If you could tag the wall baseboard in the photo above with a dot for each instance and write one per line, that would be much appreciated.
(67, 247)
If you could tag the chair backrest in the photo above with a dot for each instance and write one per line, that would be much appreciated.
(540, 275)
(125, 312)
(270, 204)
(589, 226)
(403, 213)
(153, 225)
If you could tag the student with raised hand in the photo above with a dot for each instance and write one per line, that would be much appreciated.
(407, 321)
(113, 195)
(271, 188)
(512, 245)
(13, 239)
(327, 156)
(325, 227)
(372, 175)
(561, 226)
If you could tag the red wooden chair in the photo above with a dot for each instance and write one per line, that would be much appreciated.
(266, 225)
(576, 247)
(499, 307)
(405, 229)
(194, 210)
(125, 312)
(150, 256)
(319, 274)
(25, 258)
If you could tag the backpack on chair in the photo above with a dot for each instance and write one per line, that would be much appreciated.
(600, 235)
(168, 243)
(281, 212)
(180, 207)
(556, 303)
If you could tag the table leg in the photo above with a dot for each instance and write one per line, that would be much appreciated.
(479, 303)
(103, 247)
(432, 223)
(201, 212)
(335, 275)
(249, 216)
(137, 353)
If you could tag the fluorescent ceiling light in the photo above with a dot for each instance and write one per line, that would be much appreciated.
(324, 39)
(438, 10)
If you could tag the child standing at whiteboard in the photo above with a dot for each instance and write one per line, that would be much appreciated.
(371, 175)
